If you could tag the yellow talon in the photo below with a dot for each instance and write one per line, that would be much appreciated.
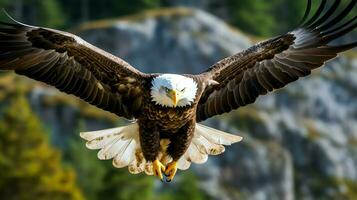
(170, 171)
(158, 169)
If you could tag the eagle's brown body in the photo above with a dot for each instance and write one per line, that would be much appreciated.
(175, 124)
(76, 67)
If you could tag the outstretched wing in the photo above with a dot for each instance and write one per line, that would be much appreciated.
(275, 63)
(72, 65)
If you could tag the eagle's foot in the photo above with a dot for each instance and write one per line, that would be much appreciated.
(158, 169)
(170, 171)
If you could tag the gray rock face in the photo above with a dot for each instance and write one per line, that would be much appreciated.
(176, 41)
(299, 142)
(217, 7)
(313, 119)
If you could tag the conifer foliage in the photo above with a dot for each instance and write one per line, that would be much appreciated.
(29, 167)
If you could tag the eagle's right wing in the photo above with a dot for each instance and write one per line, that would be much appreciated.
(73, 66)
(276, 62)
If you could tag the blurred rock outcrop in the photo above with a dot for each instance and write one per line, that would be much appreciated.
(300, 142)
(173, 40)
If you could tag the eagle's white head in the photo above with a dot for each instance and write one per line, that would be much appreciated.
(171, 90)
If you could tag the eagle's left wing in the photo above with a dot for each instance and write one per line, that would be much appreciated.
(72, 65)
(275, 63)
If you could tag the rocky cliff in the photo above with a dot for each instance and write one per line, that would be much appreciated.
(300, 142)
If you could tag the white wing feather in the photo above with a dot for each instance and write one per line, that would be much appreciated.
(206, 141)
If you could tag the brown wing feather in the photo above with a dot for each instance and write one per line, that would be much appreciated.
(275, 63)
(73, 66)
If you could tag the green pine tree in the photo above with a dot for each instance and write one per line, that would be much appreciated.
(89, 169)
(266, 18)
(254, 17)
(29, 167)
(38, 12)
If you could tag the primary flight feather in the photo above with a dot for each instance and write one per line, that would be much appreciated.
(166, 135)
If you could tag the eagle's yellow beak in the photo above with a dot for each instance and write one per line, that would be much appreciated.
(173, 94)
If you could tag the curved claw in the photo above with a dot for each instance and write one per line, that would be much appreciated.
(158, 169)
(170, 171)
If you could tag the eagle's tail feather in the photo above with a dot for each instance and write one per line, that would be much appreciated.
(123, 146)
(120, 144)
(206, 141)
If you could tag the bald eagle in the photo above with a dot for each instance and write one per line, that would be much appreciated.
(167, 108)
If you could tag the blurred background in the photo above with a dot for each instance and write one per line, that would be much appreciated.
(300, 142)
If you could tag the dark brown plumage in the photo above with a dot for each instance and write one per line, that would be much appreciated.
(73, 66)
(76, 67)
(274, 63)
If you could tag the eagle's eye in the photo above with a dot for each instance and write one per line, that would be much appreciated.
(183, 89)
(166, 89)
